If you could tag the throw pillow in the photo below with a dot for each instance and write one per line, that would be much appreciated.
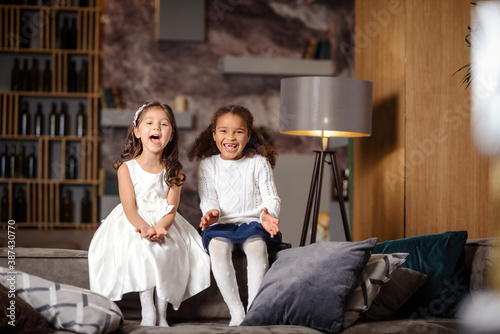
(442, 258)
(20, 317)
(309, 286)
(65, 307)
(403, 284)
(377, 271)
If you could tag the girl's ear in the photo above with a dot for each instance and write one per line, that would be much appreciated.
(136, 132)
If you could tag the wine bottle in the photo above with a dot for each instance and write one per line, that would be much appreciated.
(64, 37)
(19, 212)
(71, 167)
(86, 208)
(21, 162)
(4, 163)
(24, 120)
(83, 82)
(72, 77)
(31, 164)
(4, 206)
(38, 130)
(53, 130)
(12, 161)
(47, 77)
(34, 76)
(15, 76)
(80, 121)
(62, 120)
(72, 34)
(67, 207)
(24, 77)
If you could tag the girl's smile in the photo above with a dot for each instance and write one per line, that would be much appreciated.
(231, 136)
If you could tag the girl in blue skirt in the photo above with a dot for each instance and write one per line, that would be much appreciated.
(239, 201)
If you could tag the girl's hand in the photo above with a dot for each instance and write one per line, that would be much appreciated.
(160, 233)
(146, 231)
(209, 218)
(270, 223)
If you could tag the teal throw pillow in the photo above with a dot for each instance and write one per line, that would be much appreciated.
(442, 258)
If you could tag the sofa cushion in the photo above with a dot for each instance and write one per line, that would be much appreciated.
(309, 286)
(375, 274)
(65, 306)
(442, 258)
(403, 284)
(20, 317)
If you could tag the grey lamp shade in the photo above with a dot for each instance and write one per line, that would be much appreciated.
(326, 107)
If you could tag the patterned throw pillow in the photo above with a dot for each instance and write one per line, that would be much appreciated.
(65, 307)
(377, 271)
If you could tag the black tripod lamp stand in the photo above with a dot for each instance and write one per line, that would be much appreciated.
(325, 107)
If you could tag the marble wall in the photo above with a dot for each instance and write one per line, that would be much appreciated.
(147, 70)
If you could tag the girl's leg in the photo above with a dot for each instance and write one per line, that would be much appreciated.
(148, 311)
(258, 263)
(161, 308)
(225, 276)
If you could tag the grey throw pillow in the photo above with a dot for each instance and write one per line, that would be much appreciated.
(309, 286)
(64, 306)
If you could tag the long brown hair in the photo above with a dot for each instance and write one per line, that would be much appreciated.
(170, 154)
(204, 146)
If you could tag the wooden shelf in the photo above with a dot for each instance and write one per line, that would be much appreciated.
(276, 66)
(119, 118)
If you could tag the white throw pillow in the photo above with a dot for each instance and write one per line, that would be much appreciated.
(64, 306)
(375, 274)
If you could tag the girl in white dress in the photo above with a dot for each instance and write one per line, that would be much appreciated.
(238, 200)
(144, 243)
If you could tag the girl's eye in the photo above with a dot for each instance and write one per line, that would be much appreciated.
(164, 124)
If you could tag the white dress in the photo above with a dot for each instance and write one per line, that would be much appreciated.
(120, 261)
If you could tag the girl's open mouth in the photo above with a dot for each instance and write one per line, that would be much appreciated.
(155, 139)
(230, 147)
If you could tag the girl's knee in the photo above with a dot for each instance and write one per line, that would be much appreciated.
(255, 247)
(219, 248)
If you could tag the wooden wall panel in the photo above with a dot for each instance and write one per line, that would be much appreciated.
(378, 160)
(446, 179)
(419, 173)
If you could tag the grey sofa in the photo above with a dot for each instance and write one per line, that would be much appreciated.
(207, 313)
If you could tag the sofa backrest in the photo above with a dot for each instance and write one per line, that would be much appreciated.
(480, 259)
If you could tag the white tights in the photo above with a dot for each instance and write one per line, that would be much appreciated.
(225, 276)
(149, 312)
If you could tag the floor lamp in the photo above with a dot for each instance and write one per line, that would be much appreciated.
(325, 107)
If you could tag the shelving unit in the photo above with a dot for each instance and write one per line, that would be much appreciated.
(276, 66)
(67, 36)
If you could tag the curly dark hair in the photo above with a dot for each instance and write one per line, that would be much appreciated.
(170, 154)
(204, 146)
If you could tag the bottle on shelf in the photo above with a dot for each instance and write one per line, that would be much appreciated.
(80, 121)
(26, 29)
(38, 126)
(72, 77)
(71, 166)
(21, 162)
(19, 211)
(83, 82)
(72, 34)
(86, 208)
(24, 120)
(4, 163)
(24, 77)
(47, 77)
(67, 207)
(15, 75)
(53, 129)
(12, 161)
(34, 76)
(84, 3)
(64, 34)
(4, 206)
(62, 120)
(31, 164)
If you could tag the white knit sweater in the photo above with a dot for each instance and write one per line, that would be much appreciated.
(239, 189)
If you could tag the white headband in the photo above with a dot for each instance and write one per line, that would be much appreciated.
(138, 112)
